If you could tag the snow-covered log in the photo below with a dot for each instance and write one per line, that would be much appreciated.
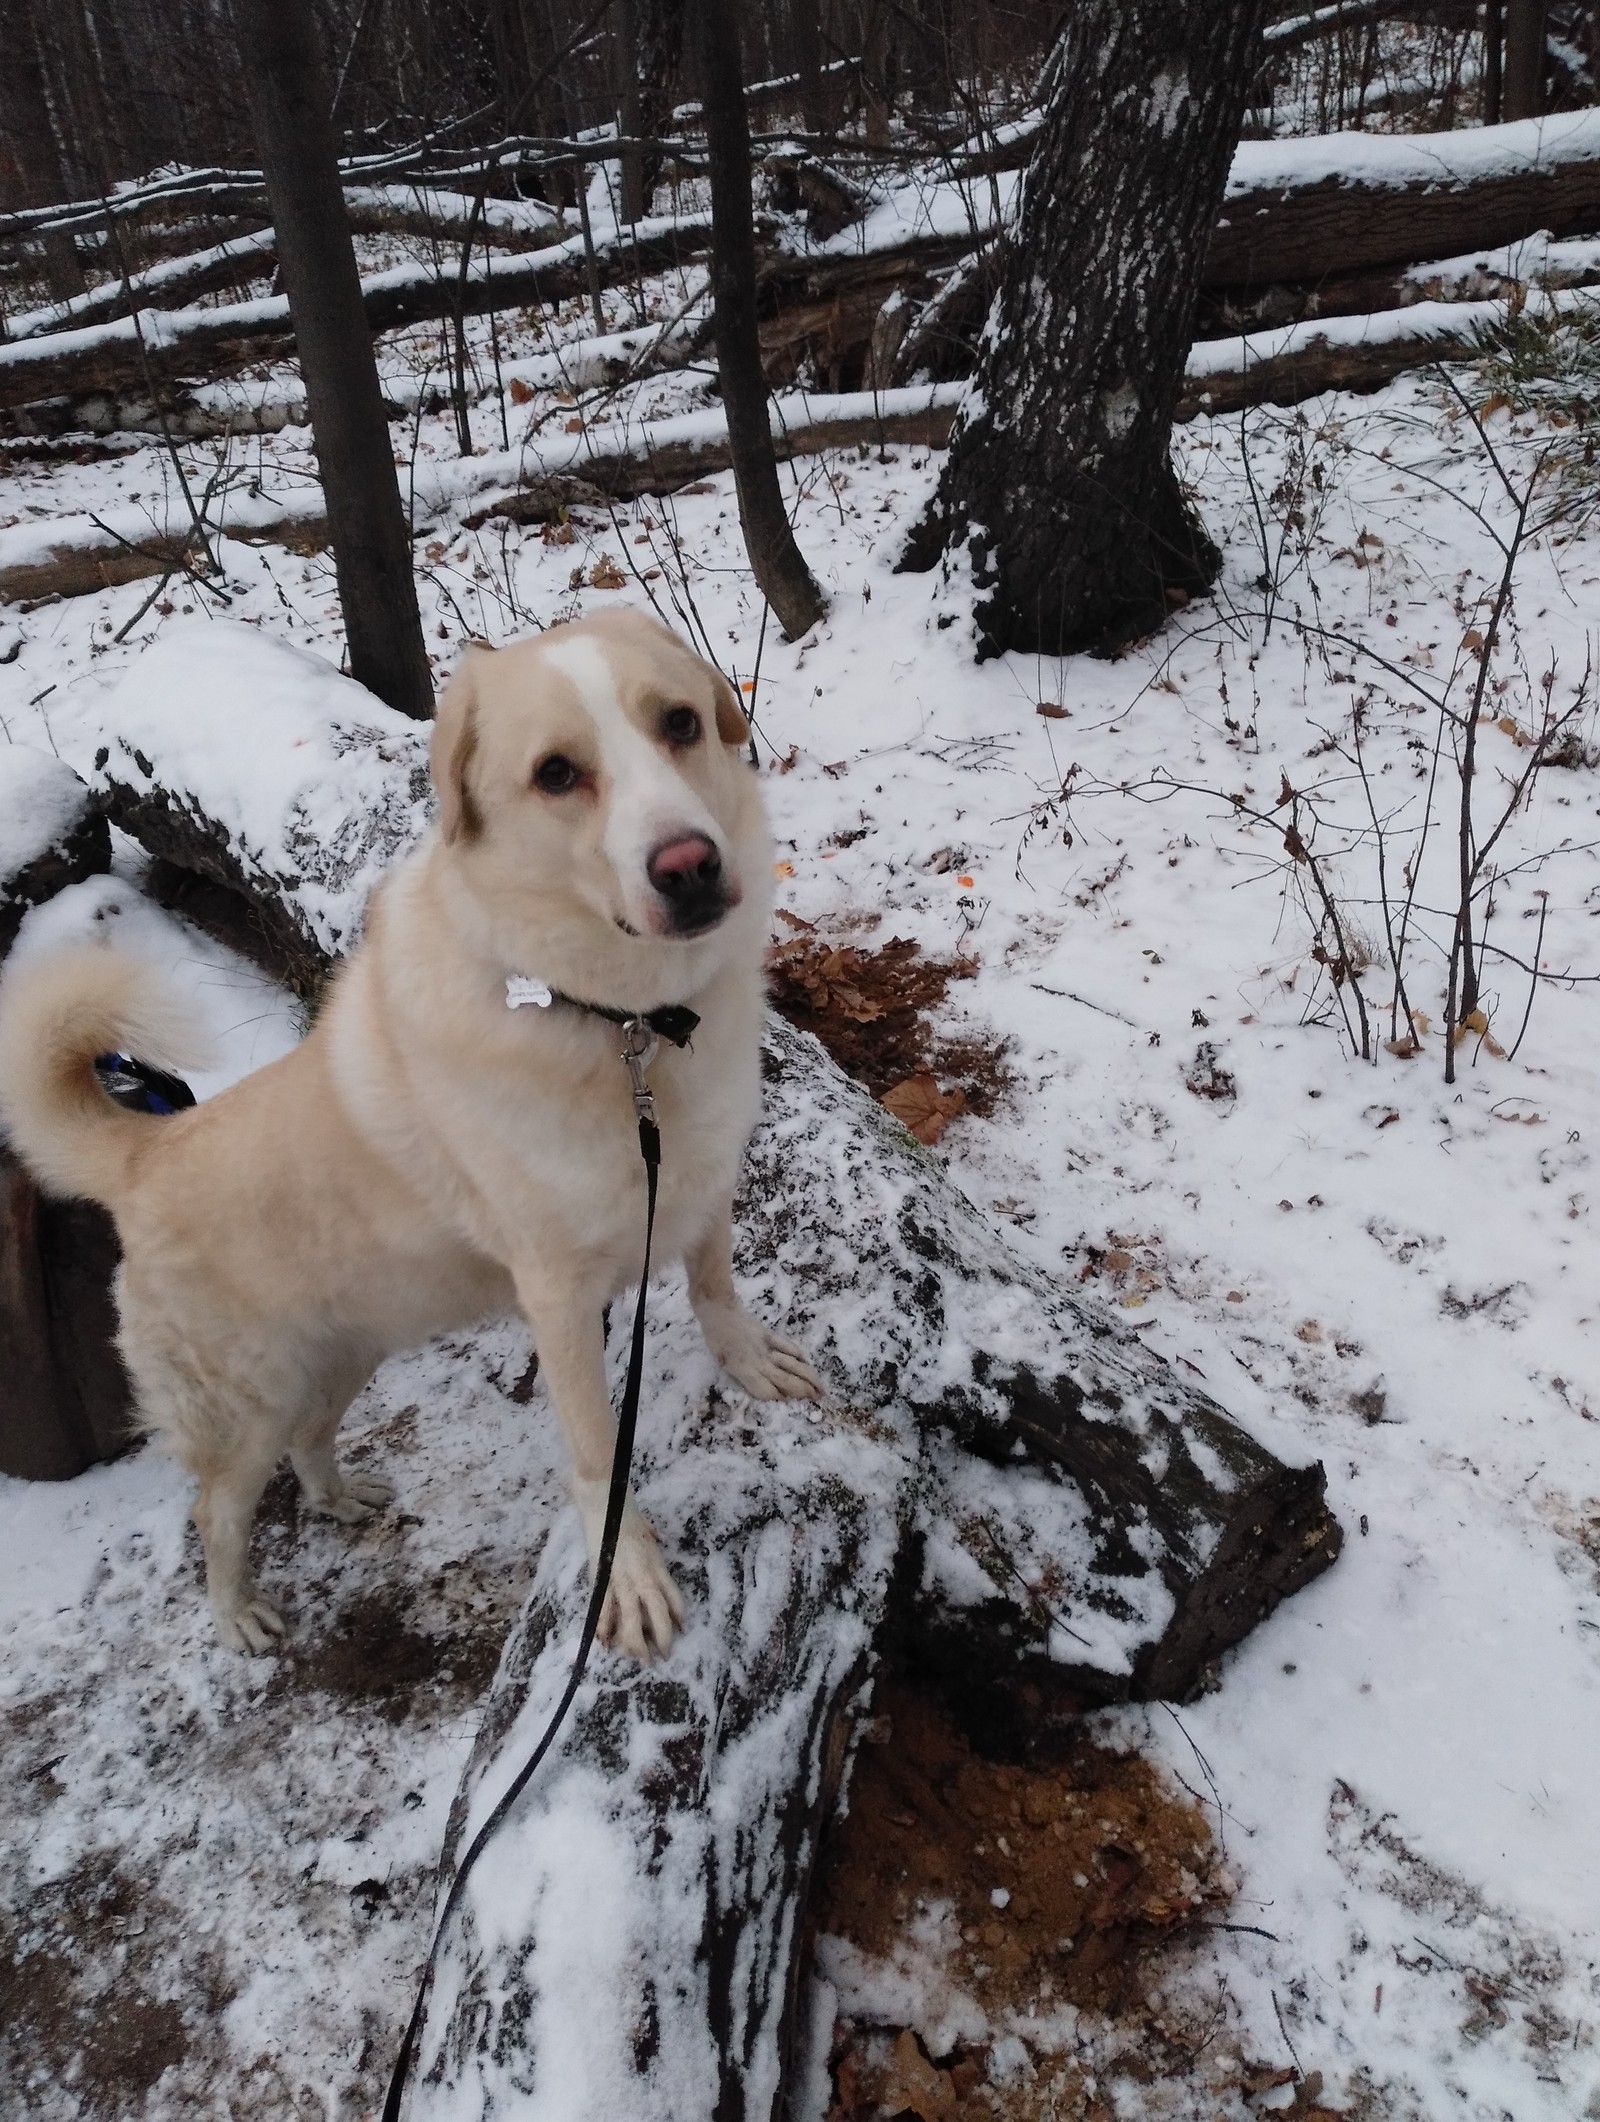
(1337, 202)
(1005, 1489)
(270, 789)
(1349, 353)
(52, 833)
(184, 342)
(203, 272)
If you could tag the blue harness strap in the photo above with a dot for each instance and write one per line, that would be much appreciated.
(139, 1087)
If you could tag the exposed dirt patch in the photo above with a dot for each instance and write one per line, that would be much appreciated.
(371, 1651)
(873, 1010)
(76, 2015)
(1062, 1882)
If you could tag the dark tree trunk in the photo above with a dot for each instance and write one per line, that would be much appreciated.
(30, 157)
(816, 104)
(1524, 60)
(290, 101)
(1059, 476)
(776, 560)
(658, 71)
(1493, 62)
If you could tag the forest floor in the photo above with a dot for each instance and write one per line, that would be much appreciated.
(1080, 893)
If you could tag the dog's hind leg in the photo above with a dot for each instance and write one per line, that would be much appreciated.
(230, 1489)
(323, 1482)
(210, 1403)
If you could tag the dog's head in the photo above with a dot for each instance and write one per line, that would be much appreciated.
(596, 768)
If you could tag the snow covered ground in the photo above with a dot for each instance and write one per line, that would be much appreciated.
(221, 1870)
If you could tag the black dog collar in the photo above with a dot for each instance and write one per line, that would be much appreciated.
(674, 1023)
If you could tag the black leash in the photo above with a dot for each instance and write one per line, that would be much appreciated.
(637, 1054)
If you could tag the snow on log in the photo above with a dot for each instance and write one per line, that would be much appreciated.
(1005, 1489)
(182, 342)
(52, 834)
(660, 456)
(1296, 211)
(270, 789)
(1349, 353)
(232, 264)
(1336, 202)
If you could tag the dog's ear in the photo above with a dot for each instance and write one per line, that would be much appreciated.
(733, 726)
(454, 747)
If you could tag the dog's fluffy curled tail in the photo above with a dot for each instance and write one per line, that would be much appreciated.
(56, 1016)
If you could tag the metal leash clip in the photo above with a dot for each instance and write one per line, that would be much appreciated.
(640, 1047)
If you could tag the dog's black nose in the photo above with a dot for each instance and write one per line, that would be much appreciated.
(687, 872)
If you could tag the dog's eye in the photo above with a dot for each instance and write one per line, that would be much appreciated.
(681, 725)
(557, 775)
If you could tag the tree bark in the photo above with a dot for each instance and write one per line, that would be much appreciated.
(1524, 59)
(290, 101)
(775, 559)
(1059, 478)
(64, 1397)
(652, 59)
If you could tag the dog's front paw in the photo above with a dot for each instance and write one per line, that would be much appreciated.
(251, 1623)
(643, 1608)
(767, 1366)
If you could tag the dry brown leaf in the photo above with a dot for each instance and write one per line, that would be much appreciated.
(521, 393)
(1051, 711)
(915, 2087)
(919, 1104)
(605, 574)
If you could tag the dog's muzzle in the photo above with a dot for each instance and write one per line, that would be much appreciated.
(687, 875)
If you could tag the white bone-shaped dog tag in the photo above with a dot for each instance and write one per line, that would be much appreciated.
(520, 991)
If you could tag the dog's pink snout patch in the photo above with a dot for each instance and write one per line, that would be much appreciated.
(689, 864)
(687, 872)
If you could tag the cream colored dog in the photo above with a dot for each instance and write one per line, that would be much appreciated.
(430, 1156)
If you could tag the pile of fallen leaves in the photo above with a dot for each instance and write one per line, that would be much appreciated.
(872, 1008)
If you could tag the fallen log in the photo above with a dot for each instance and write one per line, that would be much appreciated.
(178, 343)
(608, 463)
(276, 819)
(1006, 1494)
(663, 456)
(1300, 209)
(232, 264)
(1301, 216)
(52, 834)
(1348, 353)
(1004, 1491)
(371, 209)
